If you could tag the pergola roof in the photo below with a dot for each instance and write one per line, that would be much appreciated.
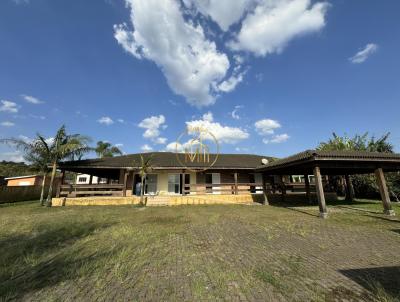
(333, 162)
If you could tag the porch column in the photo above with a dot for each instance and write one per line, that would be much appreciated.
(323, 212)
(264, 186)
(90, 179)
(60, 183)
(235, 175)
(183, 184)
(349, 188)
(380, 180)
(125, 183)
(308, 192)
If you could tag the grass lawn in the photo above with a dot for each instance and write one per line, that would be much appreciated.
(191, 253)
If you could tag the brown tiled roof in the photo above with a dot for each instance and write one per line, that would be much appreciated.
(168, 160)
(314, 155)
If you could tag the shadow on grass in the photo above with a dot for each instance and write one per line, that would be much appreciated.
(32, 262)
(19, 203)
(397, 231)
(383, 282)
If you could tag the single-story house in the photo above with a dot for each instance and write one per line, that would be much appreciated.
(169, 177)
(172, 174)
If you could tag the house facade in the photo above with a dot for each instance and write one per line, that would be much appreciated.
(168, 175)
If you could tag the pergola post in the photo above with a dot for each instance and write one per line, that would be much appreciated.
(323, 212)
(349, 188)
(235, 175)
(380, 179)
(264, 186)
(308, 192)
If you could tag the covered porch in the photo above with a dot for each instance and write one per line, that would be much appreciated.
(161, 182)
(344, 163)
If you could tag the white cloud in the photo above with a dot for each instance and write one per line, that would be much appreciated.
(190, 62)
(152, 125)
(223, 12)
(273, 23)
(105, 120)
(235, 114)
(146, 148)
(208, 116)
(119, 145)
(363, 55)
(31, 99)
(174, 147)
(259, 77)
(25, 138)
(280, 138)
(8, 106)
(121, 121)
(7, 124)
(223, 134)
(39, 117)
(266, 126)
(231, 83)
(12, 156)
(160, 140)
(21, 1)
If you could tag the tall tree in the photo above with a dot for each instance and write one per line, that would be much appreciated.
(364, 185)
(105, 149)
(64, 146)
(36, 153)
(358, 143)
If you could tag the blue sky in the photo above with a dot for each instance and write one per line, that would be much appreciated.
(267, 77)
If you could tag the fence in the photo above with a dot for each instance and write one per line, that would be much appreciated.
(22, 193)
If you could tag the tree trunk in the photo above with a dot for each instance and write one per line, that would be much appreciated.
(42, 191)
(53, 174)
(142, 189)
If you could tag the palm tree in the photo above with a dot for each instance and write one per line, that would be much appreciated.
(63, 146)
(145, 166)
(105, 149)
(36, 153)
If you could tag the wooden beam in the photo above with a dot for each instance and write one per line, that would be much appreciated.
(308, 191)
(349, 188)
(323, 212)
(125, 183)
(380, 180)
(265, 193)
(60, 183)
(235, 175)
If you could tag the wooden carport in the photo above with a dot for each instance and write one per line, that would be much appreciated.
(344, 163)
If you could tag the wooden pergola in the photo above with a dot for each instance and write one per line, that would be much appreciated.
(346, 163)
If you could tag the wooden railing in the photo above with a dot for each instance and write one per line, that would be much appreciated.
(223, 188)
(91, 190)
